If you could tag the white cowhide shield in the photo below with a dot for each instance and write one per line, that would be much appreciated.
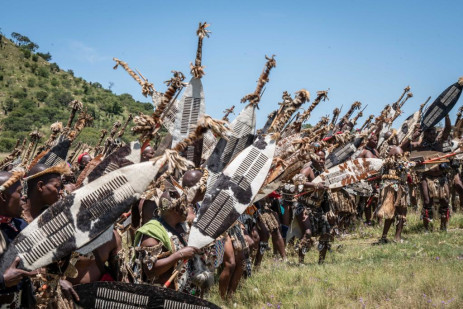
(406, 129)
(349, 172)
(191, 107)
(79, 217)
(243, 129)
(233, 192)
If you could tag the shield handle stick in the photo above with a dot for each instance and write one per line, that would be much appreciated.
(174, 274)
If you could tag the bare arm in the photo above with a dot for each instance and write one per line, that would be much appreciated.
(163, 265)
(448, 127)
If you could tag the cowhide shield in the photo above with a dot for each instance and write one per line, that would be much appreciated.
(79, 217)
(286, 143)
(209, 143)
(123, 156)
(349, 172)
(340, 155)
(406, 129)
(119, 295)
(170, 115)
(441, 106)
(191, 107)
(233, 192)
(243, 129)
(57, 153)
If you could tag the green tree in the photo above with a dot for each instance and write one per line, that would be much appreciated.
(46, 57)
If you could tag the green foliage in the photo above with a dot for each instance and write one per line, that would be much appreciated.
(46, 57)
(43, 72)
(54, 82)
(39, 96)
(54, 67)
(31, 82)
(20, 93)
(6, 144)
(27, 53)
(35, 58)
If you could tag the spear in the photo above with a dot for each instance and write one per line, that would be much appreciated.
(197, 70)
(460, 110)
(289, 107)
(396, 104)
(110, 139)
(73, 154)
(147, 126)
(34, 136)
(367, 122)
(254, 98)
(84, 120)
(98, 145)
(356, 105)
(360, 114)
(336, 113)
(227, 112)
(75, 106)
(398, 111)
(121, 132)
(147, 88)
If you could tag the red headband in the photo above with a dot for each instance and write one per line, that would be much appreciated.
(79, 158)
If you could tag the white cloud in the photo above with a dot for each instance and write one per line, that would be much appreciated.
(85, 53)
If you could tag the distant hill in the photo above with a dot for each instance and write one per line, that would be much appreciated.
(34, 93)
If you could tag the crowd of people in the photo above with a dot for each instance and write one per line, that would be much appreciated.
(149, 242)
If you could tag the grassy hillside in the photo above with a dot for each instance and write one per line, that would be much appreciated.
(423, 272)
(34, 93)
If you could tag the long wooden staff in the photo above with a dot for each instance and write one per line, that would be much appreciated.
(197, 70)
(122, 131)
(98, 145)
(147, 88)
(356, 105)
(75, 106)
(367, 122)
(336, 113)
(289, 107)
(254, 98)
(34, 137)
(360, 114)
(147, 126)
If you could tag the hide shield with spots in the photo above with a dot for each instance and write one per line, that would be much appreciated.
(441, 106)
(57, 153)
(126, 155)
(349, 172)
(406, 129)
(118, 295)
(191, 107)
(80, 217)
(243, 129)
(233, 192)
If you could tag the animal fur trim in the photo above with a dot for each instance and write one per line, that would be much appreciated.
(218, 128)
(146, 87)
(254, 98)
(460, 81)
(62, 169)
(16, 175)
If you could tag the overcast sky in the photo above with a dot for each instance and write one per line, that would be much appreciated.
(361, 50)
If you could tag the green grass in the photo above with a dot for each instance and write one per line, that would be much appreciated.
(425, 271)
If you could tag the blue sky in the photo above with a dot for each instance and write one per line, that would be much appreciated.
(362, 50)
